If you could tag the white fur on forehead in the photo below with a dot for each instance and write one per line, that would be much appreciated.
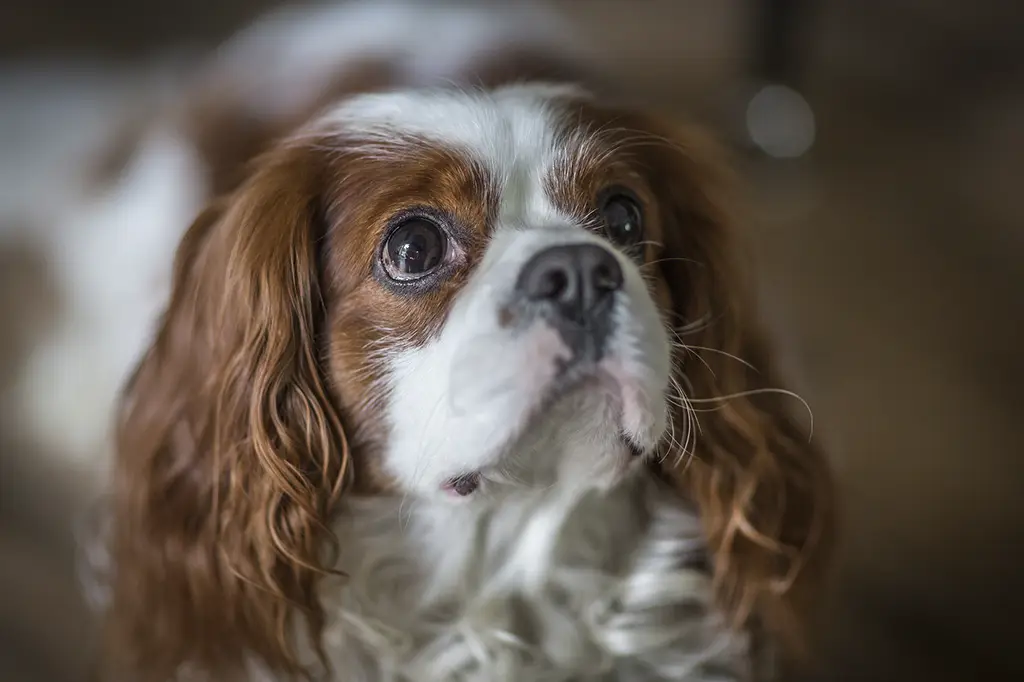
(510, 125)
(514, 133)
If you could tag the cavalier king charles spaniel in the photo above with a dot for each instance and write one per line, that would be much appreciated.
(457, 380)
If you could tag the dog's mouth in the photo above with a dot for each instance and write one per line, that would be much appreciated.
(468, 483)
(573, 379)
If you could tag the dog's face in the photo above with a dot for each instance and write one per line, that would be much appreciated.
(454, 296)
(493, 278)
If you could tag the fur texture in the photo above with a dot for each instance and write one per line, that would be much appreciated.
(283, 502)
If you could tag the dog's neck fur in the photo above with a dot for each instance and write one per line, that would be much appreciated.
(546, 585)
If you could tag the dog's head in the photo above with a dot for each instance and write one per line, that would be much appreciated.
(457, 297)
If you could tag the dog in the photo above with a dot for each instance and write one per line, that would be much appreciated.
(454, 375)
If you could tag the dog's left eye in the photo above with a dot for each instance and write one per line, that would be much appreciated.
(623, 219)
(414, 249)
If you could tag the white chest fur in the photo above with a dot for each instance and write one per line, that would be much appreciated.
(542, 586)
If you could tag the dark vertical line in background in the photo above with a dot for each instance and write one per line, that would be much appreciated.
(777, 40)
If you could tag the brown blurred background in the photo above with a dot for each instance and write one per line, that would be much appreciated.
(890, 258)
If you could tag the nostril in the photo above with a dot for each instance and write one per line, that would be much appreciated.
(607, 277)
(552, 284)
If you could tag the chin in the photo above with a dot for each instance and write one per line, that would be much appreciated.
(456, 379)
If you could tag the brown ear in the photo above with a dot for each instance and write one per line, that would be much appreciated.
(230, 455)
(763, 487)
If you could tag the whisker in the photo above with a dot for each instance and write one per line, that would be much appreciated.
(691, 425)
(649, 242)
(759, 391)
(697, 325)
(699, 357)
(725, 353)
(667, 259)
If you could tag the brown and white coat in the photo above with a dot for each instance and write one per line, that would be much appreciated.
(333, 460)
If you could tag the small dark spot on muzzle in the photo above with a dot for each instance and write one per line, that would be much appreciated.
(464, 485)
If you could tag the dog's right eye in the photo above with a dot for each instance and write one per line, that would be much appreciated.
(623, 219)
(414, 249)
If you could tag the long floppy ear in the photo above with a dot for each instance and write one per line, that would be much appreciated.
(763, 487)
(230, 456)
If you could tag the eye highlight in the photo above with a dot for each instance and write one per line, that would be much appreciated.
(622, 217)
(415, 248)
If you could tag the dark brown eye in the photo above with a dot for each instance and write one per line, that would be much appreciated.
(414, 249)
(623, 220)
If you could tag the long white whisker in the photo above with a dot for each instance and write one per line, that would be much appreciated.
(758, 391)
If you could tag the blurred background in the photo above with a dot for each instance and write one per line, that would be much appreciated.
(885, 209)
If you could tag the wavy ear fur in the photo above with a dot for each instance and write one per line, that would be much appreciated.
(230, 455)
(763, 487)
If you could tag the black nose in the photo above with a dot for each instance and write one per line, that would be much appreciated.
(578, 279)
